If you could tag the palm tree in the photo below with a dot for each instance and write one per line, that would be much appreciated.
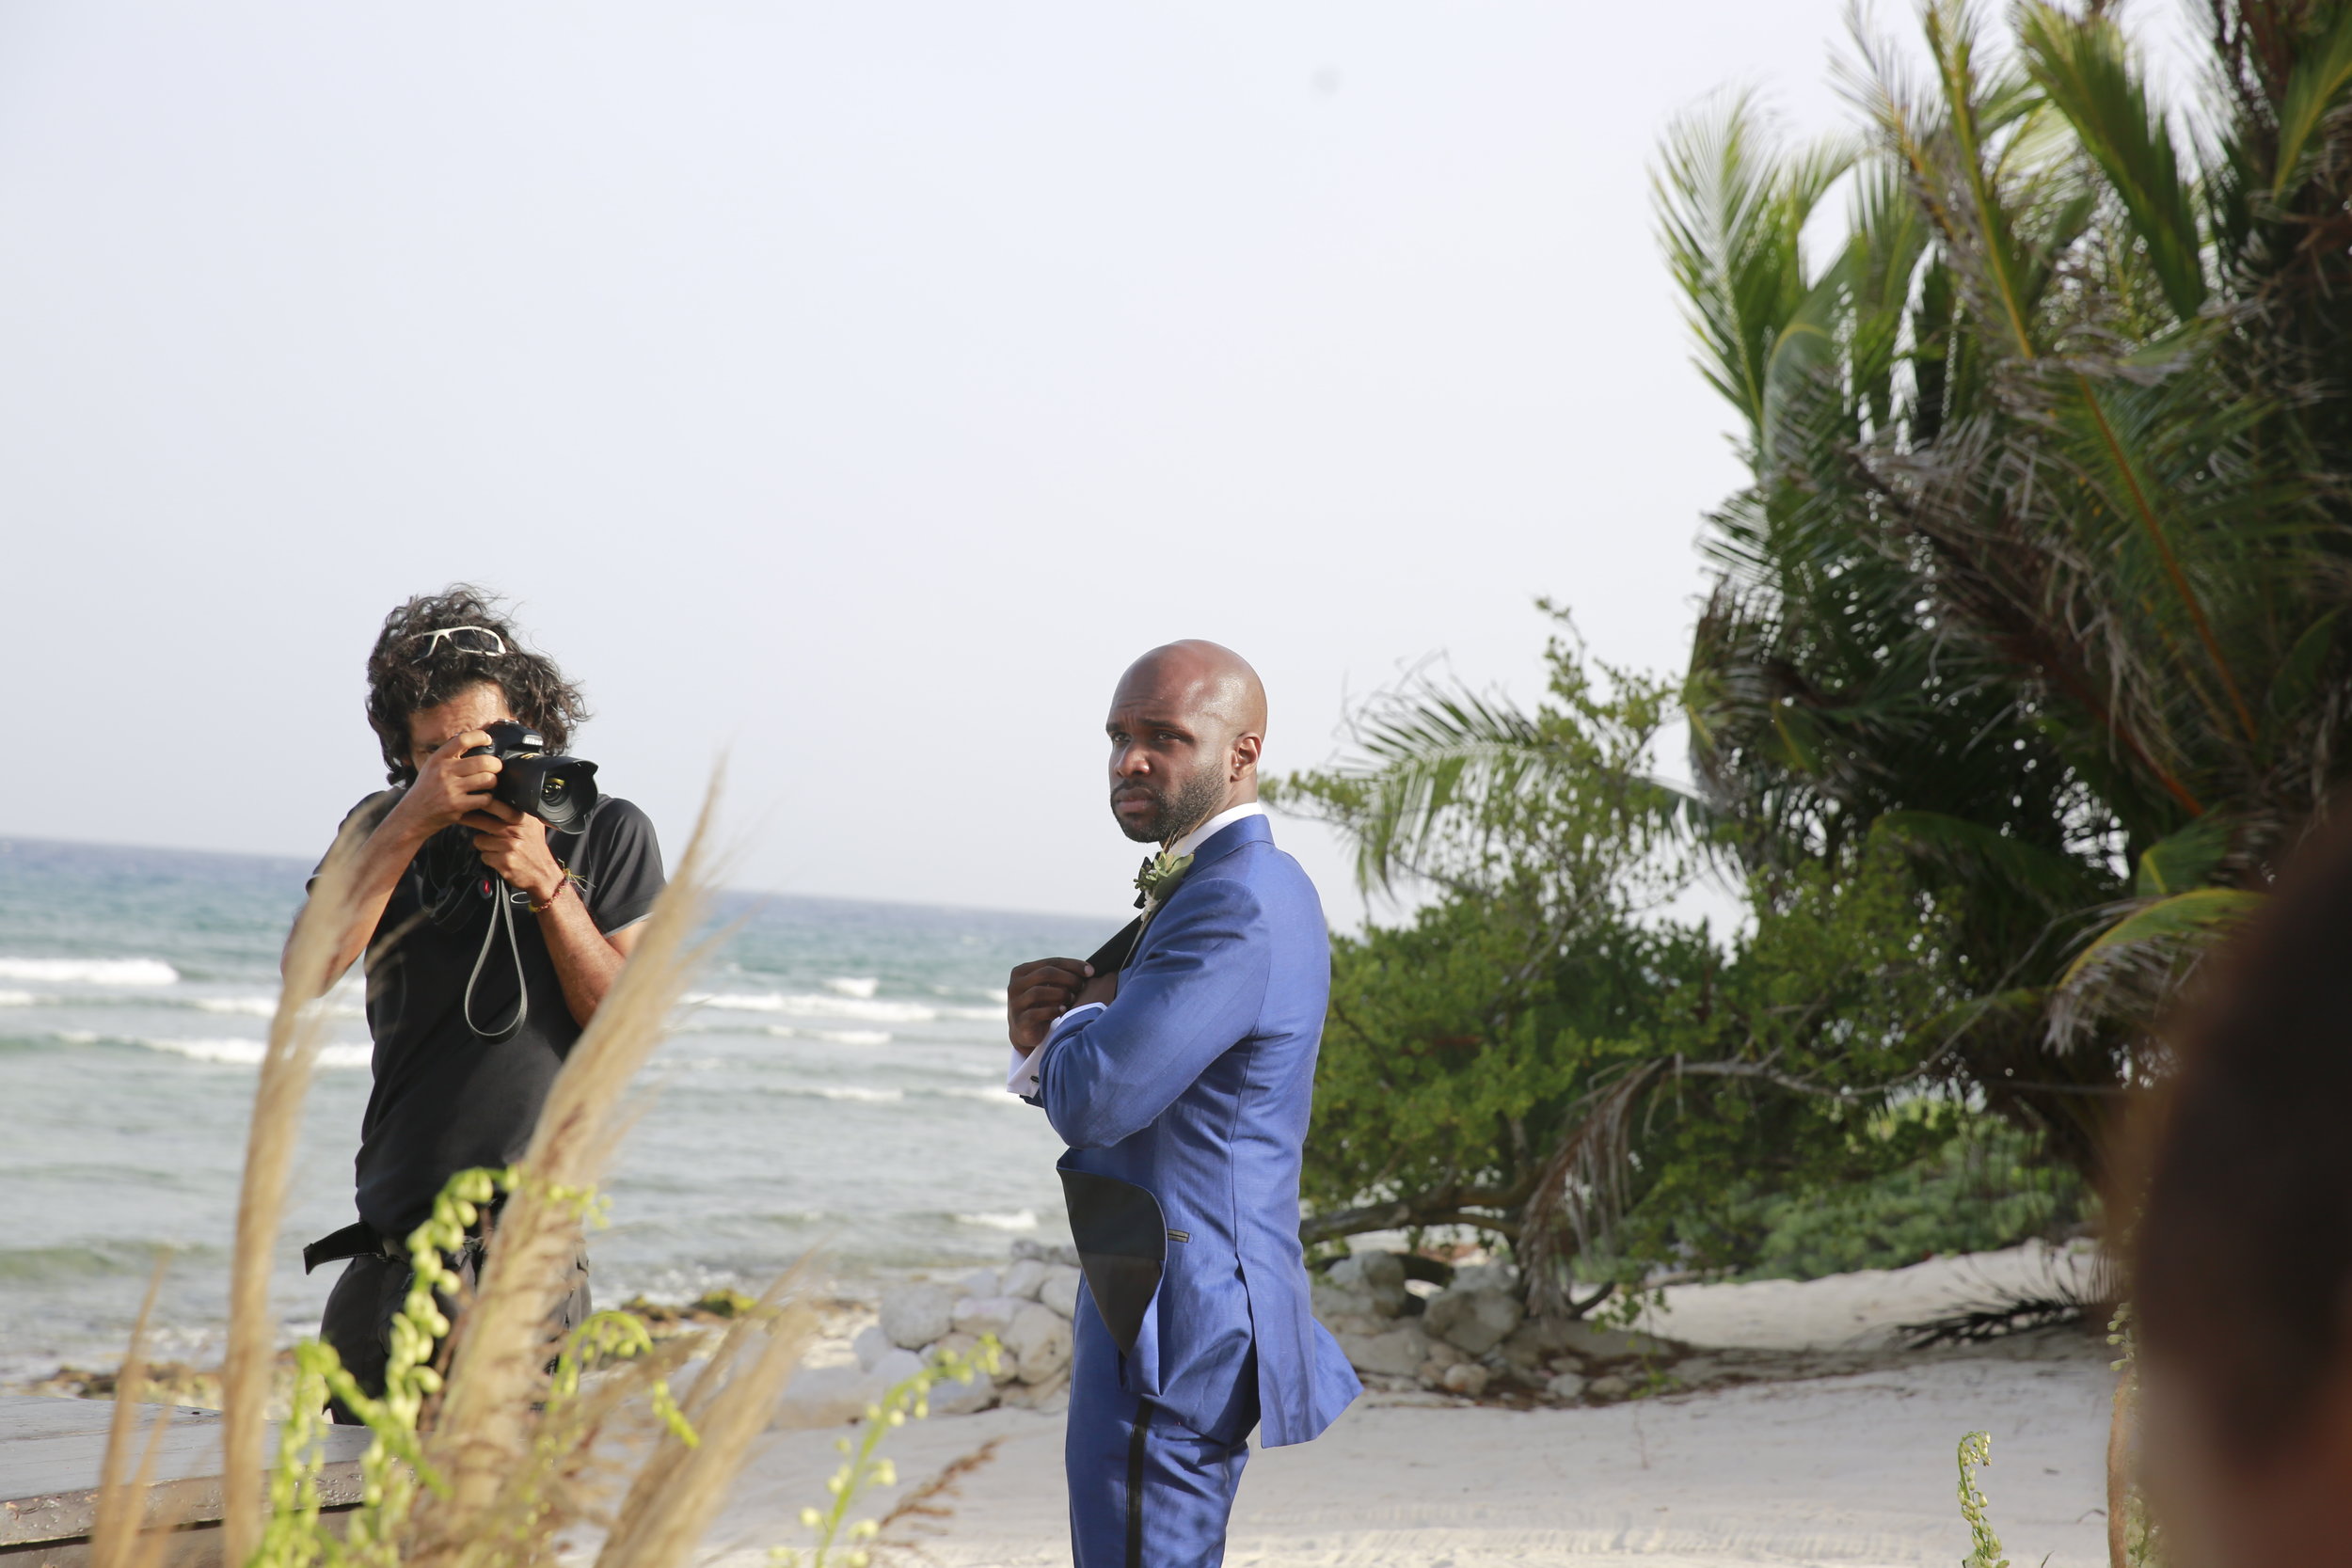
(2042, 567)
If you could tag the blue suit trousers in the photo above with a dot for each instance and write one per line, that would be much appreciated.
(1146, 1491)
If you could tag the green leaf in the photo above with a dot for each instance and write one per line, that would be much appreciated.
(2185, 917)
(2186, 860)
(2084, 67)
(2314, 89)
(2297, 680)
(2057, 881)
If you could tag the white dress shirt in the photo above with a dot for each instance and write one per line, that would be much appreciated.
(1021, 1077)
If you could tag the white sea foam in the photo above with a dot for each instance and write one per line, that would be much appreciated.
(861, 987)
(90, 971)
(266, 1006)
(243, 1006)
(810, 1005)
(996, 1096)
(1024, 1220)
(831, 1036)
(17, 998)
(853, 1091)
(249, 1053)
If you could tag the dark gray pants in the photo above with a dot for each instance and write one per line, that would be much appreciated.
(359, 1312)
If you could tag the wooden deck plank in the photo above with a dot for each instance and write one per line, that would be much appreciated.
(51, 1450)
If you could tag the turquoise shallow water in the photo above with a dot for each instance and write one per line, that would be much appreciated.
(837, 1085)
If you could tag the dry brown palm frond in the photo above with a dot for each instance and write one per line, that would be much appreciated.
(1581, 1188)
(483, 1436)
(922, 1508)
(296, 1033)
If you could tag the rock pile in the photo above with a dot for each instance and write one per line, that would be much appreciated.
(1028, 1305)
(1473, 1334)
(1470, 1338)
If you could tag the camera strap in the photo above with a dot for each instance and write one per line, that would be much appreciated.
(501, 918)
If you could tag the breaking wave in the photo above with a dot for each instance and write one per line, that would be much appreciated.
(90, 971)
(249, 1053)
(831, 1036)
(810, 1004)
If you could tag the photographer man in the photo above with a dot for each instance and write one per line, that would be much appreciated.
(490, 939)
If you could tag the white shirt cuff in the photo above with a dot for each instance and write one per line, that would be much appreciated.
(1021, 1077)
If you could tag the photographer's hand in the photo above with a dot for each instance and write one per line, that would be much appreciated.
(448, 786)
(514, 848)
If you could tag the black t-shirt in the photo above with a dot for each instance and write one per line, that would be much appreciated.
(445, 1098)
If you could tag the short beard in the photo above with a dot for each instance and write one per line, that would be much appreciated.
(1195, 801)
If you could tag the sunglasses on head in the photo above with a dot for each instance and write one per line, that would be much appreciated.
(465, 640)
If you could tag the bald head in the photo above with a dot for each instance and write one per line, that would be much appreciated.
(1187, 725)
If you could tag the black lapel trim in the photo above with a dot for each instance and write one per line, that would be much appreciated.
(1137, 1447)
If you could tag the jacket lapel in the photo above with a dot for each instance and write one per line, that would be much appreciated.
(1249, 829)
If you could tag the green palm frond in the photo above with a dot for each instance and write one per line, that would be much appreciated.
(2134, 967)
(2317, 87)
(2081, 64)
(1430, 754)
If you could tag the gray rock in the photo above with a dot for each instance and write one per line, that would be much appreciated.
(1473, 1320)
(835, 1396)
(1486, 1276)
(979, 1282)
(1595, 1343)
(1610, 1388)
(870, 1345)
(1469, 1378)
(1567, 1386)
(978, 1315)
(1535, 1342)
(1703, 1372)
(890, 1369)
(1330, 1301)
(1023, 1278)
(1374, 1279)
(1059, 1289)
(950, 1398)
(1061, 1254)
(824, 1397)
(1398, 1352)
(915, 1315)
(1050, 1398)
(1040, 1338)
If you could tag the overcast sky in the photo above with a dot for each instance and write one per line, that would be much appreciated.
(852, 388)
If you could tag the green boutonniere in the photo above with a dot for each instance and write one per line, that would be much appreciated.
(1158, 879)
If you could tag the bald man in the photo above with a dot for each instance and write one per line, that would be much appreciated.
(1179, 1066)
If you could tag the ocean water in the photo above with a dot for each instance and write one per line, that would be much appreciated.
(837, 1085)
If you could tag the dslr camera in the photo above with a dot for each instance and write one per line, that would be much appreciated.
(560, 791)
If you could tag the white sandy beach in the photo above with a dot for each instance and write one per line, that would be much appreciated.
(1853, 1467)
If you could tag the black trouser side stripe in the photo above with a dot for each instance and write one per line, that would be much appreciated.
(1135, 1485)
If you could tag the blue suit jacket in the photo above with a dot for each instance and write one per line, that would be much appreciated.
(1196, 1085)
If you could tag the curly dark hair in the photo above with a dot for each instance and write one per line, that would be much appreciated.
(409, 671)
